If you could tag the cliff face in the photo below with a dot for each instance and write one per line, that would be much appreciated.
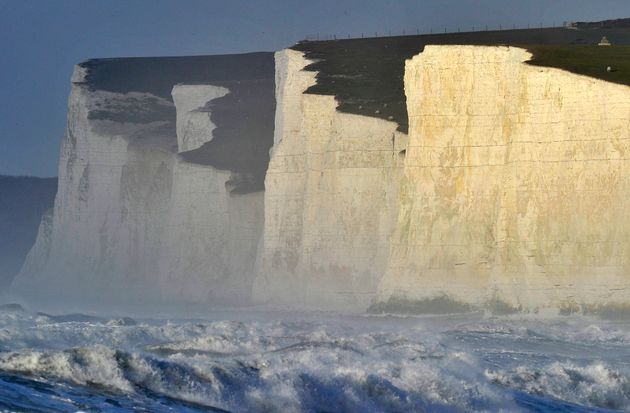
(194, 120)
(331, 195)
(209, 243)
(509, 192)
(23, 201)
(133, 220)
(515, 186)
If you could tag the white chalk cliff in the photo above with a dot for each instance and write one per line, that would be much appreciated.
(515, 186)
(331, 198)
(193, 118)
(510, 192)
(132, 221)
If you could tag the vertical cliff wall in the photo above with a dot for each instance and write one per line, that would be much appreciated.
(23, 201)
(331, 195)
(508, 193)
(210, 235)
(134, 220)
(515, 186)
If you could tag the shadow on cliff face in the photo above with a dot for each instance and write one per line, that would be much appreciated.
(244, 118)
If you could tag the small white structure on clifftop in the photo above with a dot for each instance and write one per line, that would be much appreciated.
(604, 42)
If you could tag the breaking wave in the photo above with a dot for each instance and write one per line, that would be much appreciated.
(594, 384)
(311, 364)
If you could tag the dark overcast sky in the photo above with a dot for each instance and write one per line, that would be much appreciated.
(41, 40)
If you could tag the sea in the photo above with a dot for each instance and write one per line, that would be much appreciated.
(265, 361)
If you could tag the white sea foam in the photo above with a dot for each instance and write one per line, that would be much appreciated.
(595, 384)
(323, 364)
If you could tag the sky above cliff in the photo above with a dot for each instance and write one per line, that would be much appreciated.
(41, 40)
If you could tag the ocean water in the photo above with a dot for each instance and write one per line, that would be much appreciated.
(274, 362)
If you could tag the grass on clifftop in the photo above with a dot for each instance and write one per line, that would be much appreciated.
(586, 60)
(366, 75)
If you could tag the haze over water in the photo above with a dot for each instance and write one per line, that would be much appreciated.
(275, 362)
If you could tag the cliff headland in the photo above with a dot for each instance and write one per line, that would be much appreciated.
(434, 173)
